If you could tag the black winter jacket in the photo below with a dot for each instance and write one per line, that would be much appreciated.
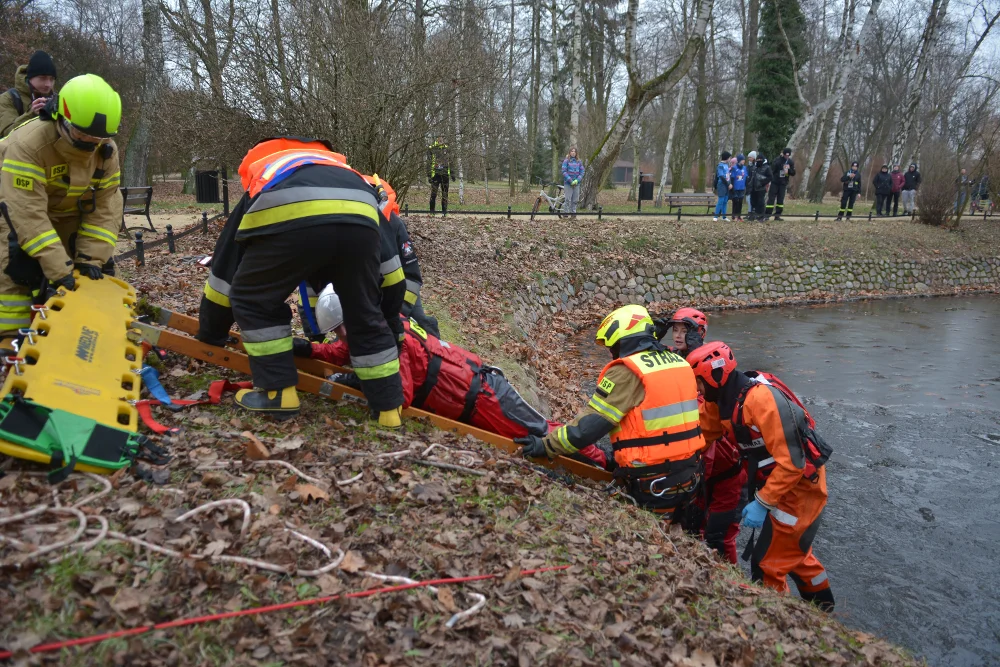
(883, 183)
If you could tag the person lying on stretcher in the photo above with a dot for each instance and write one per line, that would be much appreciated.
(440, 378)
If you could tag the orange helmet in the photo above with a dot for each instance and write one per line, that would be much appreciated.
(713, 362)
(690, 316)
(273, 145)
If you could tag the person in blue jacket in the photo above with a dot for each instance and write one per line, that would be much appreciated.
(738, 177)
(723, 186)
(572, 173)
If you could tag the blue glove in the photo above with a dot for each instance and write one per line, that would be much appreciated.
(754, 514)
(152, 381)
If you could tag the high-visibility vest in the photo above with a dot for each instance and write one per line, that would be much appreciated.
(278, 144)
(665, 427)
(272, 169)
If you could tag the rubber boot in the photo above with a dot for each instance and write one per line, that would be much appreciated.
(391, 419)
(280, 404)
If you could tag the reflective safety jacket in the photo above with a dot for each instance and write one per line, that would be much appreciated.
(437, 156)
(664, 427)
(47, 183)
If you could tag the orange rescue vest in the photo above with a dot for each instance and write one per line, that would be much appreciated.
(665, 427)
(275, 165)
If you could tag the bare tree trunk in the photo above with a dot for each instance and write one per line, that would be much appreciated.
(817, 140)
(753, 27)
(536, 80)
(633, 191)
(279, 47)
(486, 171)
(700, 132)
(420, 94)
(554, 106)
(668, 149)
(831, 144)
(137, 155)
(577, 80)
(511, 107)
(935, 18)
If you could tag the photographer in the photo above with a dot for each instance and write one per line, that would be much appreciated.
(34, 83)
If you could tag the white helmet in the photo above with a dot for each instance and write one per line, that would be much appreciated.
(329, 313)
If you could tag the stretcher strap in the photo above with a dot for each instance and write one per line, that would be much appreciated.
(215, 392)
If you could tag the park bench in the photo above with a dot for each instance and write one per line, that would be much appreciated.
(137, 202)
(682, 199)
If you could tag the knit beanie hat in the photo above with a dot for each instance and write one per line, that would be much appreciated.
(726, 155)
(740, 158)
(40, 64)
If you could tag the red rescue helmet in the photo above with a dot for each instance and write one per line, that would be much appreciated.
(689, 315)
(713, 362)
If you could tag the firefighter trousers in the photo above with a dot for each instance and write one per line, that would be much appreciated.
(784, 549)
(15, 300)
(442, 181)
(346, 255)
(775, 199)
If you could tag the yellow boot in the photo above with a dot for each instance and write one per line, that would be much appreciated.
(280, 403)
(391, 419)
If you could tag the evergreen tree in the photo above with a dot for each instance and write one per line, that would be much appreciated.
(771, 84)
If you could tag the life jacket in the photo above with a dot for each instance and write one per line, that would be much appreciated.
(815, 450)
(661, 435)
(390, 205)
(453, 379)
(271, 169)
(274, 145)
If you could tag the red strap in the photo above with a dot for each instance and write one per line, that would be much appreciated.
(215, 392)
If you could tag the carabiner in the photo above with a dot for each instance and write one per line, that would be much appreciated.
(653, 483)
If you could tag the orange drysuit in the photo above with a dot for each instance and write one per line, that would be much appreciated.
(795, 500)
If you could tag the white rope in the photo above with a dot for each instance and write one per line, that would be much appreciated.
(220, 503)
(286, 464)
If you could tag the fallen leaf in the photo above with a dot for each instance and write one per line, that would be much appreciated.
(309, 492)
(128, 599)
(429, 493)
(215, 547)
(329, 584)
(289, 444)
(353, 561)
(104, 585)
(214, 478)
(513, 621)
(447, 600)
(702, 658)
(334, 423)
(256, 451)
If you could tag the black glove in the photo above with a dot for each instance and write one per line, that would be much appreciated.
(347, 379)
(693, 339)
(302, 348)
(534, 447)
(661, 329)
(90, 271)
(67, 281)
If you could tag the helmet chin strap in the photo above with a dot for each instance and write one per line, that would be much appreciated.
(87, 146)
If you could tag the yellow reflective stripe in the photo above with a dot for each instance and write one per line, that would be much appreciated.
(99, 232)
(23, 168)
(15, 300)
(605, 409)
(104, 182)
(216, 297)
(689, 417)
(296, 210)
(394, 278)
(410, 297)
(43, 240)
(563, 437)
(276, 346)
(377, 372)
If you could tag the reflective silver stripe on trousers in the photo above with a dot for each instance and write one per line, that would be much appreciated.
(373, 360)
(784, 517)
(218, 284)
(413, 286)
(15, 322)
(390, 265)
(819, 578)
(765, 462)
(273, 198)
(267, 334)
(670, 410)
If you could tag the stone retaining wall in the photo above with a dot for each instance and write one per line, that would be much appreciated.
(751, 282)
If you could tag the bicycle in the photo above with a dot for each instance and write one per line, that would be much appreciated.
(555, 204)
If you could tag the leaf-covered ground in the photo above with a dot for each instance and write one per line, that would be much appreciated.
(632, 596)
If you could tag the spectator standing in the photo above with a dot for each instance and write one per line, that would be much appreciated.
(883, 190)
(757, 187)
(962, 184)
(439, 172)
(723, 185)
(33, 86)
(738, 176)
(572, 173)
(751, 169)
(783, 169)
(852, 186)
(911, 183)
(897, 187)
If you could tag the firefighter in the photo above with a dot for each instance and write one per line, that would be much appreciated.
(441, 378)
(784, 167)
(308, 216)
(59, 182)
(439, 172)
(777, 435)
(647, 401)
(715, 512)
(33, 86)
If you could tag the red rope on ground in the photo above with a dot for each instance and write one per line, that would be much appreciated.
(182, 622)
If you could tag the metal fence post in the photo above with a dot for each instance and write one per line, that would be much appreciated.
(600, 211)
(817, 216)
(679, 209)
(406, 210)
(869, 216)
(508, 212)
(170, 239)
(204, 221)
(140, 255)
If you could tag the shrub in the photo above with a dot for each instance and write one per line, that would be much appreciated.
(937, 194)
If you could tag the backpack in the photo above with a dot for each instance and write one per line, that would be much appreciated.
(15, 98)
(816, 451)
